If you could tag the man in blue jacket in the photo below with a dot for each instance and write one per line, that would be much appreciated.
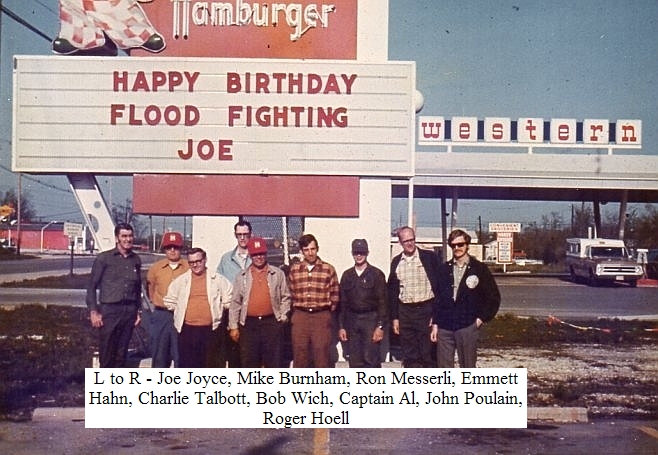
(468, 297)
(226, 352)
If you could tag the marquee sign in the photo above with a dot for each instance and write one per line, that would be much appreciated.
(436, 130)
(213, 116)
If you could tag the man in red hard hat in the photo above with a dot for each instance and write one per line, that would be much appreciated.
(164, 338)
(259, 309)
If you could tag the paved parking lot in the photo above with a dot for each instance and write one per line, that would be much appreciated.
(67, 435)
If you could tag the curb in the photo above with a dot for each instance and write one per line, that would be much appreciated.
(557, 415)
(18, 277)
(647, 283)
(58, 414)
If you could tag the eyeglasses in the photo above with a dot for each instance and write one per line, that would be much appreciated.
(457, 245)
(243, 234)
(172, 247)
(408, 240)
(193, 263)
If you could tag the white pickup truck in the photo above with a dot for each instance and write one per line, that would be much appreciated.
(598, 260)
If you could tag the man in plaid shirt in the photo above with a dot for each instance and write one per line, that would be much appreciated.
(315, 296)
(412, 290)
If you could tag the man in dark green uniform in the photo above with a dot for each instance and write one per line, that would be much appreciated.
(113, 297)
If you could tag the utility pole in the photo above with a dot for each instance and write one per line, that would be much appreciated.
(480, 230)
(184, 230)
(18, 216)
(151, 231)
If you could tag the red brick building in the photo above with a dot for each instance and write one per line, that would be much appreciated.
(37, 237)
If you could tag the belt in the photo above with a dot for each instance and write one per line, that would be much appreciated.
(122, 303)
(418, 304)
(159, 308)
(315, 309)
(361, 311)
(260, 318)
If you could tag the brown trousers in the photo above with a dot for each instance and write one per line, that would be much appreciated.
(311, 336)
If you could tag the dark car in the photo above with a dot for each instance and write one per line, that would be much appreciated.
(652, 264)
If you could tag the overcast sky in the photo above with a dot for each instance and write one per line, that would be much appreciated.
(495, 58)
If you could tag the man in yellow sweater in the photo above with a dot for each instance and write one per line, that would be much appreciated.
(164, 338)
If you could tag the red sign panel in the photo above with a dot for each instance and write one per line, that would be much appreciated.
(243, 29)
(292, 195)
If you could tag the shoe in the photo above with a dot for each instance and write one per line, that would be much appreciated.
(64, 47)
(155, 43)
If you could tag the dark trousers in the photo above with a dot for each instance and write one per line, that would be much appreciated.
(164, 338)
(362, 352)
(115, 333)
(464, 341)
(223, 350)
(312, 337)
(261, 343)
(193, 343)
(415, 344)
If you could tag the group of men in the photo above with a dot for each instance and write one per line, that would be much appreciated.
(237, 316)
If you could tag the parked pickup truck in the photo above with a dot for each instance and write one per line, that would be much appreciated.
(601, 260)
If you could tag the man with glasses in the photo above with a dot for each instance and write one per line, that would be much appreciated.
(468, 297)
(412, 288)
(163, 335)
(226, 352)
(259, 310)
(198, 298)
(236, 260)
(363, 311)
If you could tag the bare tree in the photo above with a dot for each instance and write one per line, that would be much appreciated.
(643, 227)
(123, 213)
(581, 220)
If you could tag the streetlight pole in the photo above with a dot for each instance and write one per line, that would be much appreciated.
(43, 229)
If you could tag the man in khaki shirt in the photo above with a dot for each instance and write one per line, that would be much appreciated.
(163, 335)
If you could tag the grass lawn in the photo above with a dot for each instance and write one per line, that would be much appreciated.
(44, 350)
